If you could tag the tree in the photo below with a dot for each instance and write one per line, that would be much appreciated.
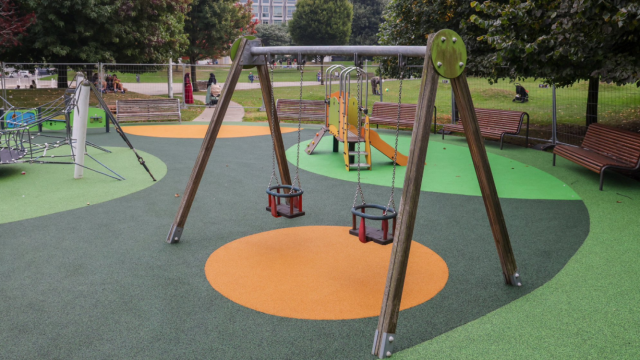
(273, 35)
(367, 17)
(106, 31)
(212, 26)
(563, 41)
(13, 22)
(321, 22)
(409, 22)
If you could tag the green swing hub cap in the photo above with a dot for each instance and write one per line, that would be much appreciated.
(234, 49)
(449, 54)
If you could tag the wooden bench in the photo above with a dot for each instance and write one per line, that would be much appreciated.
(386, 113)
(312, 110)
(495, 124)
(151, 109)
(604, 148)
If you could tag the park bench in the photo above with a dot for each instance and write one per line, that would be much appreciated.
(604, 148)
(151, 109)
(386, 113)
(495, 124)
(312, 110)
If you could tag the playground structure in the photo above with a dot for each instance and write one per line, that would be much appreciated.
(345, 114)
(21, 127)
(445, 55)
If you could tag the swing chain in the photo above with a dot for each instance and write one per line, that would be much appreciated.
(392, 204)
(274, 175)
(296, 179)
(359, 98)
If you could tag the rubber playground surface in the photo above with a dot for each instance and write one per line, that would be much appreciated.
(99, 281)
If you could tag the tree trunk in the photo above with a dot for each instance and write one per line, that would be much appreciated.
(592, 101)
(194, 82)
(62, 77)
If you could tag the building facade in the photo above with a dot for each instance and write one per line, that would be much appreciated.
(272, 11)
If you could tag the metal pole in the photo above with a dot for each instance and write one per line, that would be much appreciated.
(4, 87)
(170, 81)
(184, 102)
(408, 51)
(554, 119)
(453, 107)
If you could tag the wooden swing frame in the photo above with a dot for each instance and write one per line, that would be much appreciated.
(407, 211)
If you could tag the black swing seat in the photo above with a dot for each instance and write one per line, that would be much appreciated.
(383, 236)
(291, 210)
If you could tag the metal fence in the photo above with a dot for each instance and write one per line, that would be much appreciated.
(617, 105)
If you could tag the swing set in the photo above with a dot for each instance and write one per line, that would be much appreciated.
(445, 55)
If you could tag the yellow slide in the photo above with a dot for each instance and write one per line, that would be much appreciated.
(386, 149)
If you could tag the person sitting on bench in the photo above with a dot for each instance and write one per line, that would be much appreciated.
(109, 83)
(117, 84)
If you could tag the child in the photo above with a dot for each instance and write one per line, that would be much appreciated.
(251, 77)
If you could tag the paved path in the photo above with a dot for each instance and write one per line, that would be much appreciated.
(235, 112)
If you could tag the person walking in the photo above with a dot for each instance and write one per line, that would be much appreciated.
(251, 77)
(375, 81)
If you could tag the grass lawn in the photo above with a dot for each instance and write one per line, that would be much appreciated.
(29, 98)
(618, 105)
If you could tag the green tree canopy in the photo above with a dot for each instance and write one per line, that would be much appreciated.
(367, 17)
(212, 26)
(409, 22)
(321, 22)
(103, 31)
(273, 35)
(75, 31)
(563, 41)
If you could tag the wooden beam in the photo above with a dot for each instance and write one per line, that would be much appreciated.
(207, 146)
(408, 208)
(274, 123)
(485, 178)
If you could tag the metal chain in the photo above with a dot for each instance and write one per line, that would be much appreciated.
(359, 98)
(392, 203)
(296, 179)
(274, 174)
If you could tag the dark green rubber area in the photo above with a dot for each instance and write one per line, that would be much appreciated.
(100, 282)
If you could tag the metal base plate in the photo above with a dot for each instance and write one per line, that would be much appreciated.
(374, 235)
(285, 210)
(175, 233)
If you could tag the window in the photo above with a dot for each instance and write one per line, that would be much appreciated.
(277, 22)
(265, 2)
(266, 22)
(291, 1)
(277, 11)
(290, 11)
(265, 11)
(254, 9)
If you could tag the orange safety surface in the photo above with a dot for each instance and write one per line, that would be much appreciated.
(198, 131)
(318, 273)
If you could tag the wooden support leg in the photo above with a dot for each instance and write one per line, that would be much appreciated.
(205, 151)
(485, 178)
(388, 320)
(274, 123)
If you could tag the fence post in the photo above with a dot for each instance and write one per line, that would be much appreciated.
(80, 120)
(170, 80)
(184, 102)
(453, 107)
(4, 86)
(554, 119)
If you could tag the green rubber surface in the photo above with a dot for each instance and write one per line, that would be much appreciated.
(449, 170)
(112, 288)
(50, 188)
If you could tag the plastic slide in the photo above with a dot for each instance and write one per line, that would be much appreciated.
(386, 149)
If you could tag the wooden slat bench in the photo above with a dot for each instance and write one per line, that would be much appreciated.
(386, 113)
(312, 110)
(150, 109)
(604, 148)
(495, 124)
